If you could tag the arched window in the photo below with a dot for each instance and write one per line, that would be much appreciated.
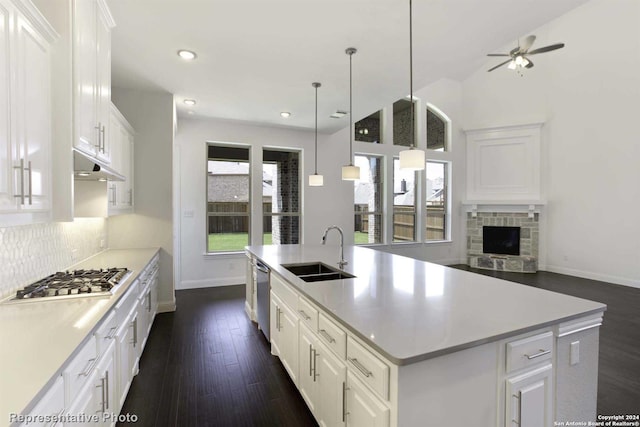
(438, 125)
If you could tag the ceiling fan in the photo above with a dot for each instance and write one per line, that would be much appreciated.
(518, 57)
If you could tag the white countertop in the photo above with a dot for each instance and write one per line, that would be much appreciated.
(411, 310)
(37, 337)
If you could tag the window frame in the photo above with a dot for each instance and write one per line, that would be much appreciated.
(379, 213)
(447, 202)
(393, 206)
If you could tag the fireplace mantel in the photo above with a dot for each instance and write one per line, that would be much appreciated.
(530, 207)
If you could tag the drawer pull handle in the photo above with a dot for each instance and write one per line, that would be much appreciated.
(305, 315)
(367, 373)
(344, 401)
(326, 336)
(542, 352)
(111, 334)
(90, 365)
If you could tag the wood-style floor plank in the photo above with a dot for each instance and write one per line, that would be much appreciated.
(208, 365)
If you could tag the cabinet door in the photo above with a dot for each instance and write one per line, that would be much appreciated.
(308, 379)
(331, 376)
(106, 387)
(7, 201)
(103, 84)
(364, 409)
(86, 402)
(529, 399)
(33, 115)
(85, 63)
(51, 404)
(124, 361)
(284, 336)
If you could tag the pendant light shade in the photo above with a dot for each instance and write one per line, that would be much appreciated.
(316, 180)
(350, 172)
(413, 158)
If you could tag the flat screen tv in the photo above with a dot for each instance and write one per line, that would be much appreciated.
(501, 240)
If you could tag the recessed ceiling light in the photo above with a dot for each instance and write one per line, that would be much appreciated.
(338, 114)
(190, 101)
(285, 114)
(187, 55)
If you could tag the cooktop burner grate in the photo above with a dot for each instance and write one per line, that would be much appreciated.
(76, 282)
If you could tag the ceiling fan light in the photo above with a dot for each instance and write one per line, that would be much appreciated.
(350, 173)
(412, 159)
(512, 65)
(519, 60)
(525, 62)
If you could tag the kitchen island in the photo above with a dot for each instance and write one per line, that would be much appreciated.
(424, 344)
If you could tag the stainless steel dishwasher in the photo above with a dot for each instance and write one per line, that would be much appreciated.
(262, 279)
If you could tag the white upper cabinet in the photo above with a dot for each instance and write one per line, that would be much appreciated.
(25, 114)
(92, 23)
(121, 139)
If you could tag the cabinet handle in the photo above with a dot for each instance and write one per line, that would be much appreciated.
(130, 197)
(367, 373)
(114, 194)
(518, 396)
(21, 168)
(57, 418)
(90, 365)
(315, 365)
(326, 336)
(99, 144)
(101, 386)
(30, 187)
(541, 352)
(305, 315)
(104, 149)
(106, 377)
(111, 334)
(310, 362)
(279, 320)
(134, 324)
(344, 401)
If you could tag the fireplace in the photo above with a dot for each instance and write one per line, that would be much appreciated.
(501, 240)
(506, 241)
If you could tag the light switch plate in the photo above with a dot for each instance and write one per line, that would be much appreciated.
(575, 353)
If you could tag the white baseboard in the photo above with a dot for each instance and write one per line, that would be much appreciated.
(211, 283)
(166, 306)
(594, 276)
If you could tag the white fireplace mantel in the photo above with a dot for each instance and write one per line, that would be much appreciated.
(509, 206)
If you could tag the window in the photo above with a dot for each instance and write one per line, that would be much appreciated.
(436, 201)
(436, 130)
(368, 200)
(369, 129)
(402, 122)
(404, 207)
(281, 197)
(228, 198)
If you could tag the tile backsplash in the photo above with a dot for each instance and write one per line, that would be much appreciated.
(30, 252)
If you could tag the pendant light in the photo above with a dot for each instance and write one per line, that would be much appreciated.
(350, 172)
(316, 180)
(413, 158)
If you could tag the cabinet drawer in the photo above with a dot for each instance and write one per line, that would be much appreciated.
(106, 332)
(368, 367)
(332, 335)
(284, 291)
(529, 351)
(308, 314)
(129, 300)
(79, 369)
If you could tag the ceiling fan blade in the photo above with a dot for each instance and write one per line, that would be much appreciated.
(529, 64)
(546, 48)
(498, 54)
(499, 65)
(526, 44)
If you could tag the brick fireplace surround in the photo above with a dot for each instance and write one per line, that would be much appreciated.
(526, 262)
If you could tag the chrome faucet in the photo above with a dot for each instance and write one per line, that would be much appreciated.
(342, 262)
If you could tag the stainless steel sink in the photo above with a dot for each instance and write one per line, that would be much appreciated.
(316, 272)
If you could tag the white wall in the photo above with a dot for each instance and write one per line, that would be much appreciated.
(588, 96)
(151, 115)
(321, 206)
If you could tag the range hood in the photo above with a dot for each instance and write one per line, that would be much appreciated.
(90, 169)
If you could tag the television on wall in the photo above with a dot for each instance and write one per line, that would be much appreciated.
(501, 240)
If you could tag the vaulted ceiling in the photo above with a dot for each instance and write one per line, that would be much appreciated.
(257, 58)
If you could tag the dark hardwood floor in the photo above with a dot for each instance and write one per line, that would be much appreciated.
(619, 367)
(208, 365)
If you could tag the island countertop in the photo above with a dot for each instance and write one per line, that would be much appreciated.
(410, 310)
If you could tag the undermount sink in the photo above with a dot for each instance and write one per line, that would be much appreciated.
(316, 272)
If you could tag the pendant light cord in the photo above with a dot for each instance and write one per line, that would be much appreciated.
(316, 138)
(413, 116)
(350, 111)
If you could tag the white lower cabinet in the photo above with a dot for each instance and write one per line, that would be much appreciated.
(528, 398)
(284, 335)
(125, 357)
(308, 380)
(50, 405)
(85, 406)
(362, 408)
(106, 387)
(331, 376)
